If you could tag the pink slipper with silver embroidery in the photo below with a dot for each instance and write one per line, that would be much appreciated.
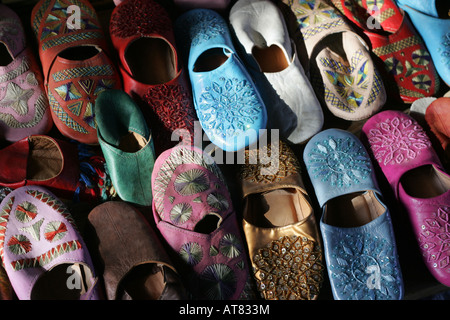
(419, 181)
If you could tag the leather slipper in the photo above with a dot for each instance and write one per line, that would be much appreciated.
(24, 108)
(75, 63)
(357, 231)
(271, 57)
(279, 226)
(418, 180)
(407, 62)
(339, 62)
(42, 250)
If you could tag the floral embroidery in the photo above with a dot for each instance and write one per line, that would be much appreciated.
(191, 253)
(26, 212)
(309, 14)
(434, 236)
(202, 26)
(191, 182)
(289, 268)
(19, 244)
(397, 140)
(172, 105)
(342, 162)
(218, 282)
(17, 98)
(228, 106)
(230, 246)
(180, 213)
(365, 268)
(54, 231)
(139, 17)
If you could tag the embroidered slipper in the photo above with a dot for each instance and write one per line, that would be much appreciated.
(228, 104)
(127, 144)
(135, 264)
(75, 64)
(279, 225)
(418, 180)
(42, 250)
(24, 107)
(432, 21)
(141, 31)
(359, 242)
(292, 105)
(195, 216)
(437, 115)
(69, 172)
(409, 71)
(340, 65)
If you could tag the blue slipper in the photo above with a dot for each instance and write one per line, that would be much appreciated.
(432, 22)
(359, 243)
(228, 105)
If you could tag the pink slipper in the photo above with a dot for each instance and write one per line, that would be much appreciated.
(41, 248)
(419, 181)
(194, 214)
(24, 108)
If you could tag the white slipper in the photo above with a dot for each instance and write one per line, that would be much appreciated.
(271, 58)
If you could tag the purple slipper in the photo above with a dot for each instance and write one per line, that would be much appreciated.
(419, 182)
(41, 249)
(195, 216)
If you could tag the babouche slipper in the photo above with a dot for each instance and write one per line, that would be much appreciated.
(228, 104)
(142, 33)
(357, 231)
(339, 62)
(135, 263)
(271, 57)
(194, 214)
(409, 72)
(42, 250)
(279, 226)
(24, 108)
(418, 180)
(76, 65)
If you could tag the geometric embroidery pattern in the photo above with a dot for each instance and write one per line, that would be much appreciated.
(46, 257)
(63, 116)
(34, 230)
(26, 212)
(54, 203)
(396, 46)
(68, 92)
(376, 89)
(71, 38)
(54, 231)
(310, 32)
(93, 71)
(75, 107)
(19, 244)
(4, 217)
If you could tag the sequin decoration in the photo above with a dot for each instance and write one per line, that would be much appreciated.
(397, 140)
(289, 268)
(253, 171)
(341, 162)
(433, 238)
(364, 268)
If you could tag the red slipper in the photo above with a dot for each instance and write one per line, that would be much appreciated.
(408, 65)
(142, 33)
(75, 64)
